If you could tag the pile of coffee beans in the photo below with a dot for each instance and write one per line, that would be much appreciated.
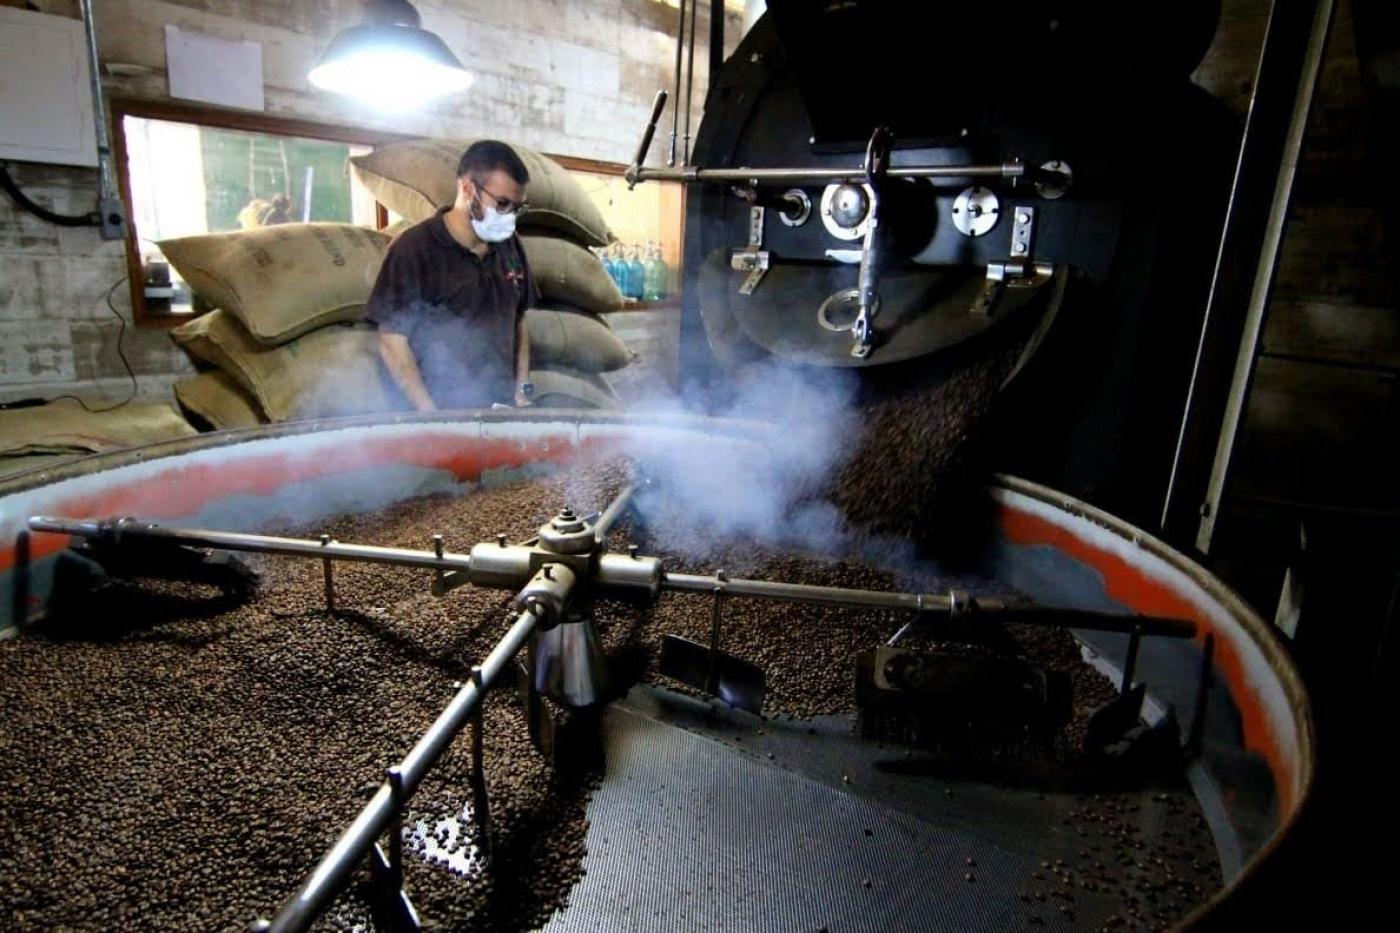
(175, 758)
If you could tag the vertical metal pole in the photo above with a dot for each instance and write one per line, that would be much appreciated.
(1285, 79)
(395, 778)
(437, 549)
(108, 178)
(109, 201)
(481, 802)
(676, 95)
(690, 76)
(712, 677)
(1130, 664)
(326, 572)
(1258, 307)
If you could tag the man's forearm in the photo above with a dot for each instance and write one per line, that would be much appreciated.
(522, 352)
(398, 359)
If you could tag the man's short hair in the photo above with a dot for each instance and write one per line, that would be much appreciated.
(487, 155)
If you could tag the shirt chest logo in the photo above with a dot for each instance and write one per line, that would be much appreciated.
(515, 273)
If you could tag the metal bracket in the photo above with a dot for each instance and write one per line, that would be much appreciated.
(328, 575)
(391, 905)
(877, 163)
(1017, 272)
(481, 801)
(752, 259)
(1022, 231)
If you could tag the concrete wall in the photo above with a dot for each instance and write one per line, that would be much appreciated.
(568, 76)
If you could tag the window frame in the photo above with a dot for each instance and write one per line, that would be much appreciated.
(253, 122)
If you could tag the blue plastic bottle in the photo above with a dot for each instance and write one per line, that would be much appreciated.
(616, 268)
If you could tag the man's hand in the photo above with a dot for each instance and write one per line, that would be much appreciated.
(403, 368)
(522, 400)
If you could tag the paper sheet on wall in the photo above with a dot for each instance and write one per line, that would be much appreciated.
(214, 70)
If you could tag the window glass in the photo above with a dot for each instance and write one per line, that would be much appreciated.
(188, 179)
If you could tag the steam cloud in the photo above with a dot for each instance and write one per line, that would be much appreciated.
(766, 491)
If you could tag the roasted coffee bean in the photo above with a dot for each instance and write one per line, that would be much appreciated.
(212, 749)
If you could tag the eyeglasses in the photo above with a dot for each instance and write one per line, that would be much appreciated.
(504, 205)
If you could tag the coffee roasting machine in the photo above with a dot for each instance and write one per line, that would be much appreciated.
(879, 195)
(868, 190)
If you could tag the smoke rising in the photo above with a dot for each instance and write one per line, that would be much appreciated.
(766, 490)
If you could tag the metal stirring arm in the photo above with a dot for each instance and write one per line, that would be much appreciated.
(505, 566)
(954, 603)
(542, 600)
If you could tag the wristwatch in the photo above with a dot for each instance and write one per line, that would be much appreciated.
(526, 389)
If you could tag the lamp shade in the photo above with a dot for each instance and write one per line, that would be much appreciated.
(390, 65)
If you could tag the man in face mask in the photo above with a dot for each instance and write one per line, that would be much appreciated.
(451, 296)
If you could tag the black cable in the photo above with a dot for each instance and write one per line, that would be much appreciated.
(90, 219)
(121, 354)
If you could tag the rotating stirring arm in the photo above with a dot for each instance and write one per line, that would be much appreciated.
(505, 566)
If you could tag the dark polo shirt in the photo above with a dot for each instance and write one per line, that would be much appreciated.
(457, 309)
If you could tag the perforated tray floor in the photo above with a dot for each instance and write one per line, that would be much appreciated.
(715, 820)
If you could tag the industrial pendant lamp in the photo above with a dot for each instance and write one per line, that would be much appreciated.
(389, 60)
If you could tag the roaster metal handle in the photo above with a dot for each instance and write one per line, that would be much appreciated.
(644, 146)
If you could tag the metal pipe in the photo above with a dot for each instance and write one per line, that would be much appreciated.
(108, 177)
(676, 96)
(644, 146)
(990, 608)
(798, 592)
(690, 78)
(340, 861)
(797, 174)
(233, 541)
(604, 523)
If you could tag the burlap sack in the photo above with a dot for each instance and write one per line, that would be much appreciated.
(417, 177)
(331, 371)
(567, 388)
(570, 274)
(577, 339)
(285, 280)
(64, 427)
(216, 399)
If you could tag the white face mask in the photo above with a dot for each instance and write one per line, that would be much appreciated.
(494, 227)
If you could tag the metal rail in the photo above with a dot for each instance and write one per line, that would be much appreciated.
(796, 174)
(1000, 609)
(336, 866)
(613, 512)
(117, 531)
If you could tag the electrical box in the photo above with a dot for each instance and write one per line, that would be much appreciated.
(45, 94)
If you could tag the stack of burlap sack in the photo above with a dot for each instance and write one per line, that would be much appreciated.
(42, 435)
(288, 342)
